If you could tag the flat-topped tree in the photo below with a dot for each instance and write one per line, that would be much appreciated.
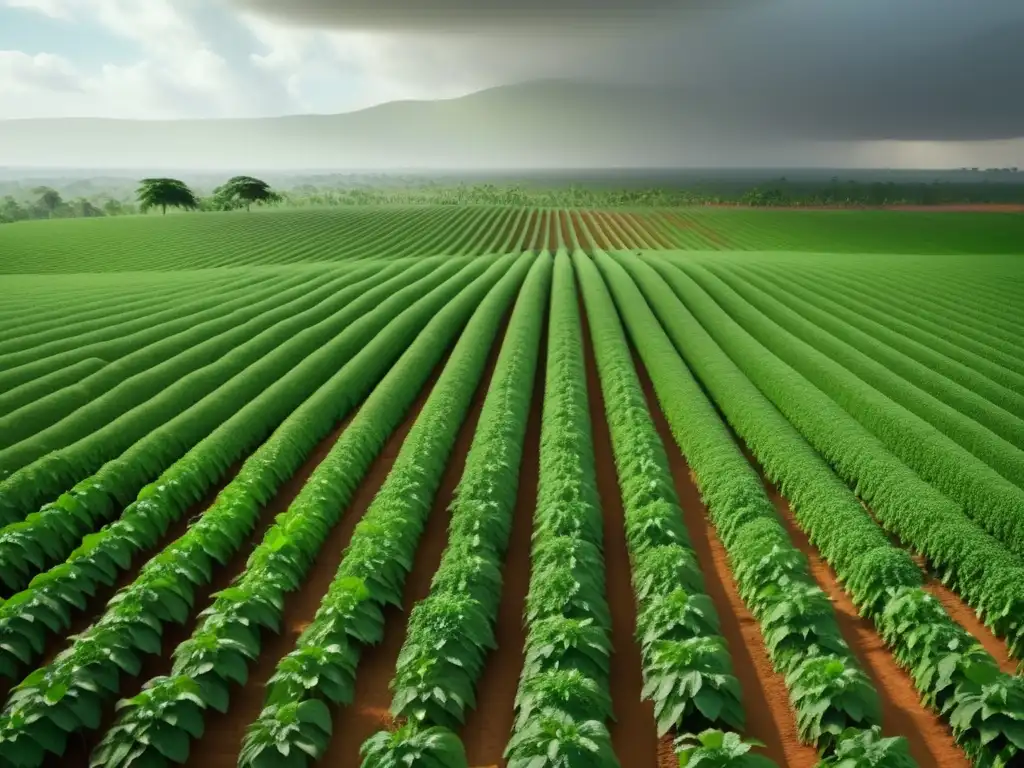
(245, 190)
(164, 193)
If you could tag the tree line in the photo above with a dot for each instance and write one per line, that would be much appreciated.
(246, 191)
(153, 193)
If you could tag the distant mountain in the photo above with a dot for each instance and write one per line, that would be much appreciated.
(539, 124)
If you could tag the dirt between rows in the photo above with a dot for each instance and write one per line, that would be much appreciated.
(370, 707)
(77, 753)
(489, 725)
(931, 741)
(939, 208)
(222, 741)
(634, 734)
(769, 717)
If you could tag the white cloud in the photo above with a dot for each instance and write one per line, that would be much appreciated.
(24, 73)
(55, 9)
(177, 72)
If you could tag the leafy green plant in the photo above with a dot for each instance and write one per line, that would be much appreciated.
(718, 749)
(869, 749)
(430, 747)
(450, 632)
(554, 739)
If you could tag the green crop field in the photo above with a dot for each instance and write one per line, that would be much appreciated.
(448, 486)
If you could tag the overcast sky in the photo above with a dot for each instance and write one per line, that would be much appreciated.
(936, 79)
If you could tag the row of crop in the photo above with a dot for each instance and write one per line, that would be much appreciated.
(903, 323)
(35, 331)
(975, 441)
(686, 664)
(451, 631)
(967, 370)
(377, 561)
(998, 324)
(832, 697)
(929, 316)
(201, 303)
(62, 417)
(41, 303)
(563, 698)
(190, 314)
(988, 497)
(970, 393)
(48, 536)
(949, 669)
(35, 387)
(63, 698)
(375, 565)
(969, 560)
(50, 599)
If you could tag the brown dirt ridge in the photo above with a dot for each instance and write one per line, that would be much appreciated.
(488, 727)
(370, 707)
(222, 741)
(634, 732)
(769, 718)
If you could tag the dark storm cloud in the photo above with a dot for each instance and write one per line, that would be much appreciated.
(442, 15)
(804, 69)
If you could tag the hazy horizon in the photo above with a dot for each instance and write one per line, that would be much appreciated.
(735, 83)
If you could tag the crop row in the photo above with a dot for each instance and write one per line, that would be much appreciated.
(374, 567)
(35, 423)
(970, 393)
(949, 669)
(450, 632)
(686, 664)
(68, 694)
(48, 536)
(832, 697)
(968, 559)
(563, 699)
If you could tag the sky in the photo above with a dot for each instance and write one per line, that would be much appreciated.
(933, 82)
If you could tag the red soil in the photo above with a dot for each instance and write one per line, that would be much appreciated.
(939, 208)
(765, 699)
(566, 228)
(78, 751)
(650, 230)
(370, 707)
(489, 726)
(220, 745)
(577, 224)
(965, 616)
(553, 225)
(634, 732)
(931, 741)
(708, 233)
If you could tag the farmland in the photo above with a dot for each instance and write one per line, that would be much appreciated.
(451, 486)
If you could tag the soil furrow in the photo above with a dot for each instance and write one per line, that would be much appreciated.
(78, 751)
(488, 726)
(769, 717)
(634, 731)
(370, 707)
(220, 745)
(903, 714)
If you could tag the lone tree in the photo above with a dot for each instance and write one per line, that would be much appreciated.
(245, 190)
(49, 200)
(165, 192)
